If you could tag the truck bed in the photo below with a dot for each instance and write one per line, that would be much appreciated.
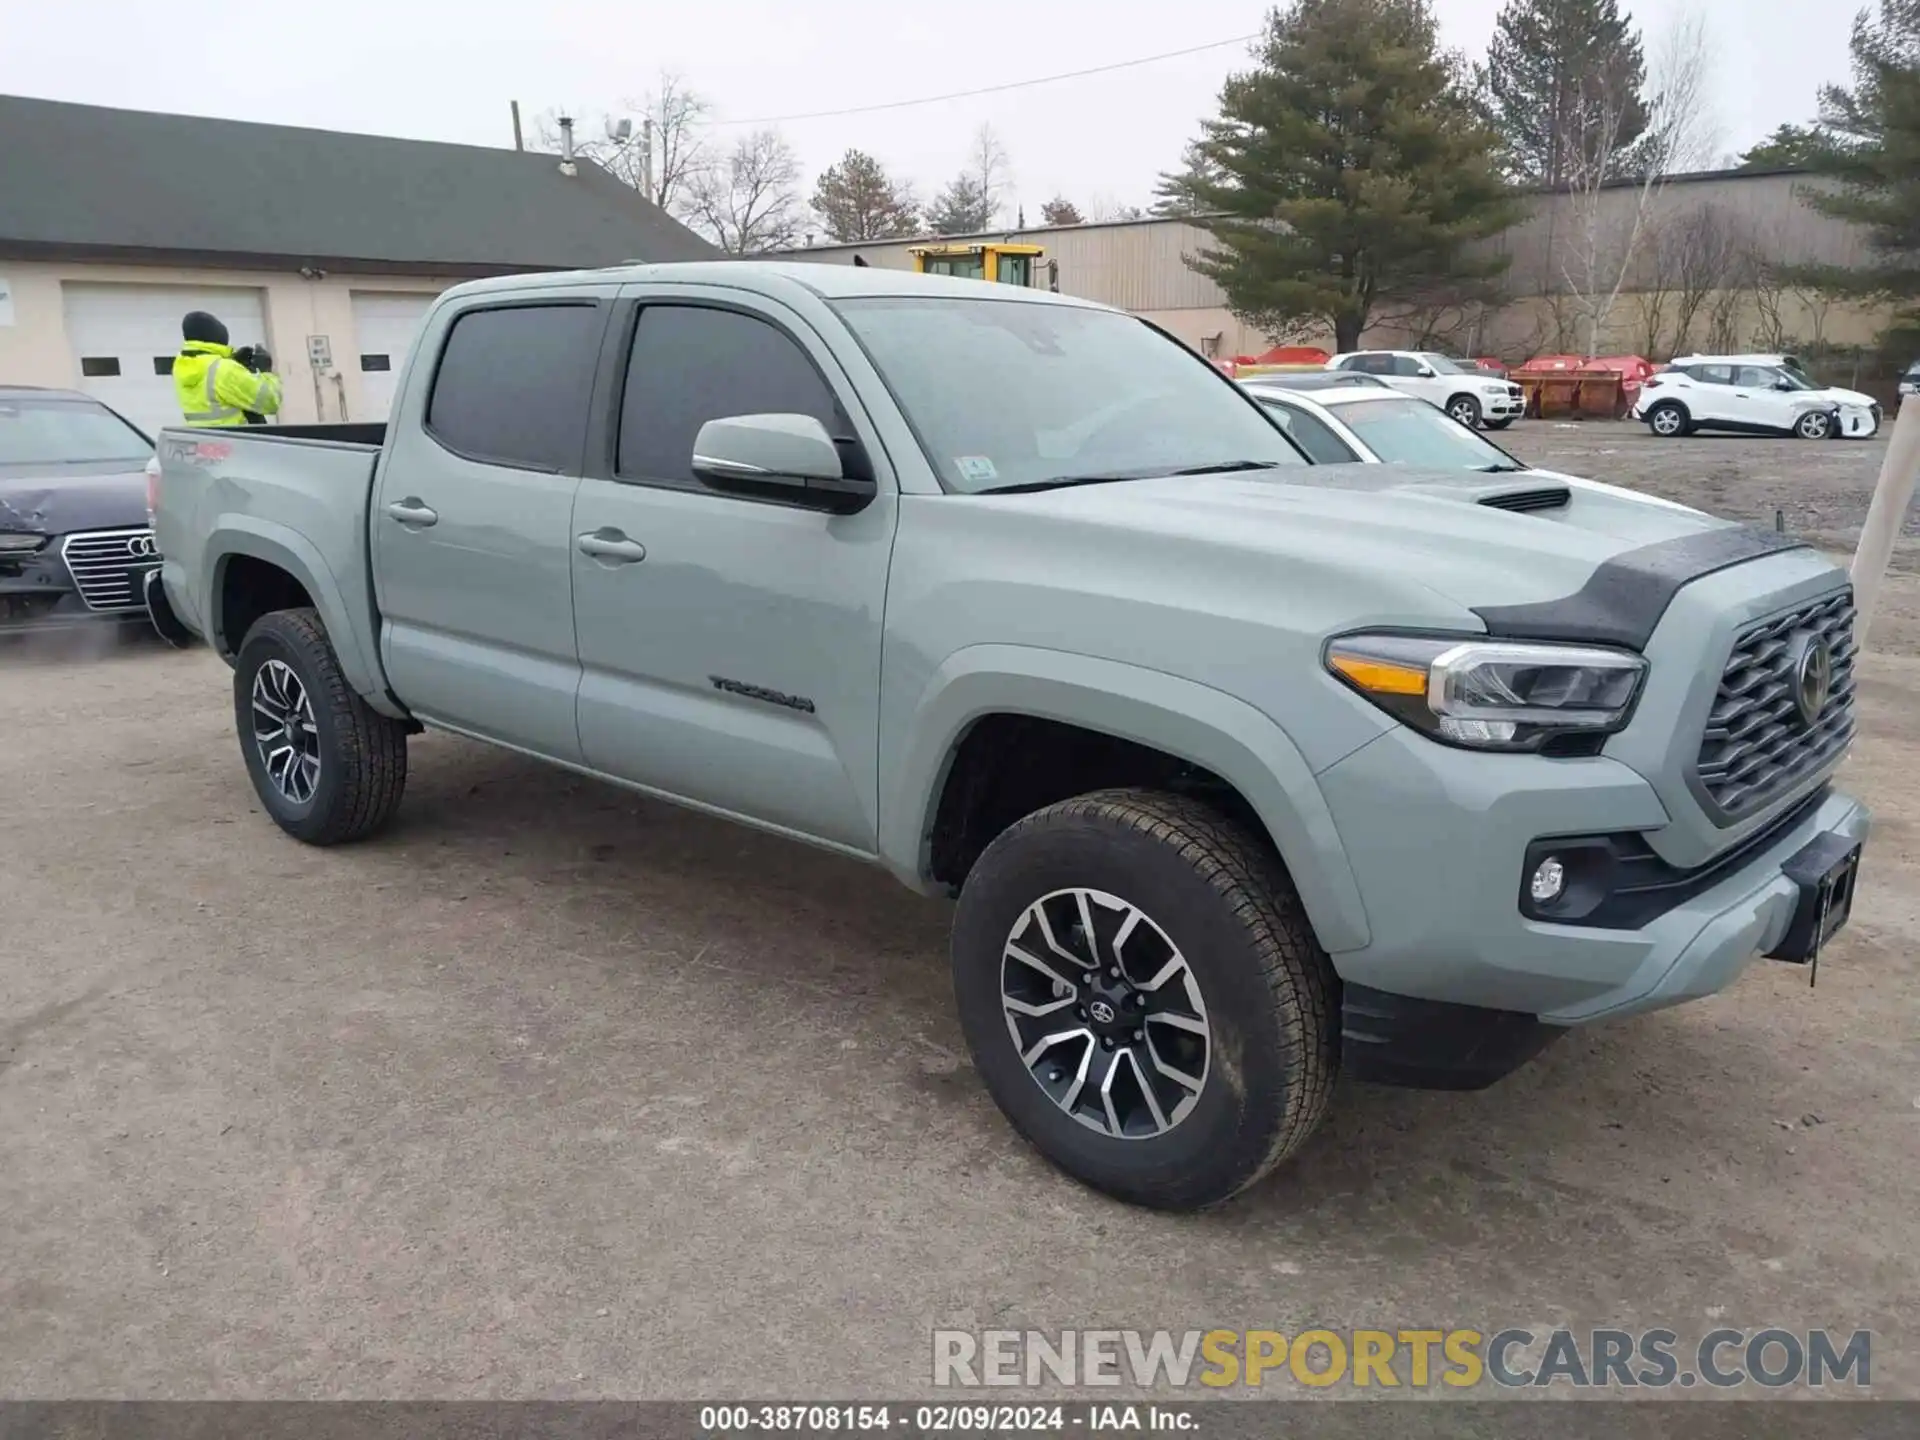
(294, 496)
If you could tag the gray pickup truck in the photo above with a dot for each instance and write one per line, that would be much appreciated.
(1246, 773)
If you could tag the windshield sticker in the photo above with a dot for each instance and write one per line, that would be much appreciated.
(975, 467)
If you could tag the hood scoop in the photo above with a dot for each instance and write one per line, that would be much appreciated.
(1532, 497)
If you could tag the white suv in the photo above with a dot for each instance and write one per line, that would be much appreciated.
(1471, 396)
(1747, 394)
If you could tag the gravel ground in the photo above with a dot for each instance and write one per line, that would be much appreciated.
(1819, 490)
(555, 1092)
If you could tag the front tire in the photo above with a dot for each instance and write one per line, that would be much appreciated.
(1144, 997)
(1466, 410)
(327, 767)
(1814, 425)
(1668, 420)
(1499, 424)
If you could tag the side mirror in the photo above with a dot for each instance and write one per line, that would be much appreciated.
(1783, 385)
(1425, 372)
(786, 458)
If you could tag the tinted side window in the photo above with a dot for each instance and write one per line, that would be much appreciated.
(1311, 434)
(1756, 377)
(1405, 365)
(690, 365)
(1712, 374)
(513, 385)
(1372, 364)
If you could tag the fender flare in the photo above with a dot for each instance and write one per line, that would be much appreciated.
(1183, 718)
(277, 545)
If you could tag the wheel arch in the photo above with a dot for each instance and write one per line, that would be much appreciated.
(251, 542)
(1180, 721)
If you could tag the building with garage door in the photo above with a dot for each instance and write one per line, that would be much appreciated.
(325, 247)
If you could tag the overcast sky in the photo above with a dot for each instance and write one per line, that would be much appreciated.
(446, 70)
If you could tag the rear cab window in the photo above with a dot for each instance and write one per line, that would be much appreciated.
(513, 384)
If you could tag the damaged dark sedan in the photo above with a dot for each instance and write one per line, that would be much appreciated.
(76, 541)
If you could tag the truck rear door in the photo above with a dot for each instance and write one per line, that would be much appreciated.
(729, 648)
(472, 537)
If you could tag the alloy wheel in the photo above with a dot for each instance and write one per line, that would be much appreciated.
(1464, 413)
(1814, 425)
(284, 732)
(1666, 421)
(1105, 1013)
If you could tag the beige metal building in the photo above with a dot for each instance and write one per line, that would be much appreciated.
(1696, 262)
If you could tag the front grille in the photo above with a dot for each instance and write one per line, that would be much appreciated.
(1758, 744)
(106, 566)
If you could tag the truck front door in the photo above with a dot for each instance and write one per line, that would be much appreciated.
(729, 648)
(472, 538)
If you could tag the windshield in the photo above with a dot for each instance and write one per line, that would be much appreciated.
(1405, 431)
(65, 432)
(1443, 366)
(1005, 393)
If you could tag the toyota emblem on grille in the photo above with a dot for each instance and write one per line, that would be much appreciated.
(140, 546)
(1812, 678)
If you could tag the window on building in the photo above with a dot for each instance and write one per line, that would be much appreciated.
(100, 366)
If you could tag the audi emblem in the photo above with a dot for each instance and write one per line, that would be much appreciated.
(140, 547)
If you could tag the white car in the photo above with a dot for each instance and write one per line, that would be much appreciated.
(1469, 394)
(1751, 394)
(1339, 423)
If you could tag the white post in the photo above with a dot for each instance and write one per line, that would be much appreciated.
(1892, 493)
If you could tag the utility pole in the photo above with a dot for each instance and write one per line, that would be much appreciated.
(646, 158)
(517, 144)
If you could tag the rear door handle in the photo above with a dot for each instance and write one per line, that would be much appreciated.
(613, 546)
(411, 511)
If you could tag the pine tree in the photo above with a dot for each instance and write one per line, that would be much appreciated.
(1869, 141)
(857, 200)
(1061, 211)
(1788, 146)
(1562, 84)
(963, 208)
(1346, 175)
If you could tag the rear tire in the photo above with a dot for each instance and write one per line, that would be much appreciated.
(1466, 410)
(1669, 420)
(1178, 885)
(327, 767)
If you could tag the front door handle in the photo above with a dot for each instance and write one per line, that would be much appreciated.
(411, 511)
(612, 545)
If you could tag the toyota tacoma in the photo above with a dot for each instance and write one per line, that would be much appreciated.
(1244, 773)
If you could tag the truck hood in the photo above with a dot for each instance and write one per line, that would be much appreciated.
(59, 499)
(1432, 528)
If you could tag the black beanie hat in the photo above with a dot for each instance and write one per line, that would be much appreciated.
(199, 325)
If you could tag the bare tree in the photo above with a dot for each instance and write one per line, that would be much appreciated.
(1703, 257)
(1768, 284)
(658, 143)
(1614, 188)
(991, 170)
(750, 201)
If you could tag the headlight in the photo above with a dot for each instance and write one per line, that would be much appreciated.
(1491, 695)
(13, 543)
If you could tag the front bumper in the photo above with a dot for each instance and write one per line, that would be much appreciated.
(1507, 406)
(1444, 913)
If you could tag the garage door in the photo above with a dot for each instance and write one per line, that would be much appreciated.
(384, 324)
(124, 338)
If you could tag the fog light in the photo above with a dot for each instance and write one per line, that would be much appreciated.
(1549, 880)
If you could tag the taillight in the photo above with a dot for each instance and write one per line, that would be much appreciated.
(153, 487)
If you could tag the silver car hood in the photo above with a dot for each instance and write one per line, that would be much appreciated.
(1403, 527)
